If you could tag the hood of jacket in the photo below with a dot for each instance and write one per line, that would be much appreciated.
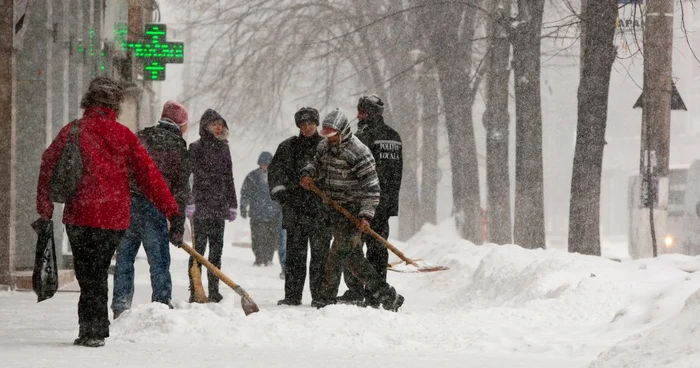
(209, 117)
(338, 120)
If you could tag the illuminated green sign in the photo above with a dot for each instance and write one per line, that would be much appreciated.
(156, 52)
(120, 34)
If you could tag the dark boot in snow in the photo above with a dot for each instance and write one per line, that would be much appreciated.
(215, 297)
(390, 299)
(289, 302)
(371, 302)
(350, 297)
(91, 342)
(321, 303)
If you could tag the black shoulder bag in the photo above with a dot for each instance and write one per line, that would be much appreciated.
(69, 168)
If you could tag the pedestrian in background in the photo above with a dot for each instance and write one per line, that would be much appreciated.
(97, 215)
(265, 214)
(213, 193)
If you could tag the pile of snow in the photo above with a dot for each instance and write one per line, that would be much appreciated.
(673, 343)
(594, 301)
(493, 300)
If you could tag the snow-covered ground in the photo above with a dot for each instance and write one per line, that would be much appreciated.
(498, 306)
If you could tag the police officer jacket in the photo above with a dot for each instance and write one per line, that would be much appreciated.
(385, 144)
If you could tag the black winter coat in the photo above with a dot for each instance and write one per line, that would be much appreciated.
(284, 173)
(168, 150)
(385, 144)
(212, 170)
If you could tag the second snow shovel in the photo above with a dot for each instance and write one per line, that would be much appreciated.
(247, 302)
(412, 265)
(196, 274)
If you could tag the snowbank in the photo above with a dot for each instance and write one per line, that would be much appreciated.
(502, 303)
(493, 300)
(673, 343)
(577, 303)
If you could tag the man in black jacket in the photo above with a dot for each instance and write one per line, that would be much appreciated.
(385, 144)
(300, 210)
(168, 150)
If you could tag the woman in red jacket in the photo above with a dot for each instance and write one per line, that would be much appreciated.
(98, 213)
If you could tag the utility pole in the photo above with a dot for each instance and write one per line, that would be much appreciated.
(656, 125)
(7, 141)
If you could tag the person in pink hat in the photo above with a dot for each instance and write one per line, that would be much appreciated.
(168, 150)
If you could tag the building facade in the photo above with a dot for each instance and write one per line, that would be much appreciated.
(52, 50)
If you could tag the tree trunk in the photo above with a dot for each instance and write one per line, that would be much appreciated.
(528, 230)
(597, 57)
(406, 114)
(463, 160)
(430, 174)
(401, 100)
(453, 65)
(401, 111)
(496, 120)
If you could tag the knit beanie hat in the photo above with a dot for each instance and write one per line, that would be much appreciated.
(174, 111)
(335, 122)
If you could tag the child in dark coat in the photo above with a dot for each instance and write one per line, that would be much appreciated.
(213, 192)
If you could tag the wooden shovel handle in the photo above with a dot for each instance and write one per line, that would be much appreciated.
(196, 274)
(213, 269)
(356, 221)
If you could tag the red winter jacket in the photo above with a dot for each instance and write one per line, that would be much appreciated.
(110, 151)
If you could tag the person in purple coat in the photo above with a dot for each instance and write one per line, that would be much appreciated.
(213, 193)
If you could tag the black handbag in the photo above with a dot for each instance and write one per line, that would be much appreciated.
(69, 168)
(45, 276)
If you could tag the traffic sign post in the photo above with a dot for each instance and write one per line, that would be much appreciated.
(155, 52)
(657, 101)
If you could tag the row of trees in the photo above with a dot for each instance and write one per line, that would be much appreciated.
(429, 60)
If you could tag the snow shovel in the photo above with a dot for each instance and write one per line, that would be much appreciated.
(247, 302)
(196, 273)
(412, 266)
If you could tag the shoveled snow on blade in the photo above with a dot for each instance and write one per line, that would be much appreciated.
(423, 266)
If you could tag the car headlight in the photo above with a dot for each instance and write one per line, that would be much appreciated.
(669, 241)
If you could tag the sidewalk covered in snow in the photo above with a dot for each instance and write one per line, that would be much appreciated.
(498, 306)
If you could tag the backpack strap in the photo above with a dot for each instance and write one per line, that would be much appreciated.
(74, 133)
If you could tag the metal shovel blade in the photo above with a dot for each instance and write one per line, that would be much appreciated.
(249, 306)
(418, 266)
(247, 303)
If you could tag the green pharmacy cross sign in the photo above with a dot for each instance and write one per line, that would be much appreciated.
(155, 52)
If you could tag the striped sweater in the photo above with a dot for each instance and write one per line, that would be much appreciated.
(346, 172)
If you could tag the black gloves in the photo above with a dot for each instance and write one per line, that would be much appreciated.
(177, 229)
(176, 239)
